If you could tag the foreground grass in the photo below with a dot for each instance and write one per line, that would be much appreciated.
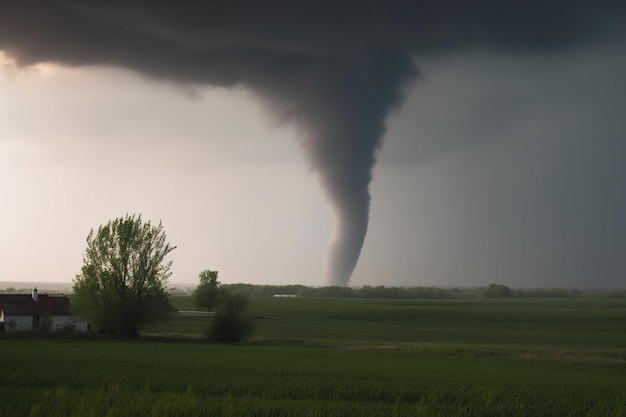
(95, 378)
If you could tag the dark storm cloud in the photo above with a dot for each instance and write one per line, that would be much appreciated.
(335, 68)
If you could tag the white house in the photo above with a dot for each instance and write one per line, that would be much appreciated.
(19, 312)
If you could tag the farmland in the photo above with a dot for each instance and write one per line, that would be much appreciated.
(331, 357)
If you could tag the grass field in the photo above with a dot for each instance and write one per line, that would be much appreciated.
(330, 357)
(579, 322)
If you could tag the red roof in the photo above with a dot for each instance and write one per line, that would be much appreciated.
(24, 305)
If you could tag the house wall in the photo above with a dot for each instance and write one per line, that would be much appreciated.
(23, 323)
(58, 322)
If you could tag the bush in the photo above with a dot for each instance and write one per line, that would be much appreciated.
(233, 320)
(45, 325)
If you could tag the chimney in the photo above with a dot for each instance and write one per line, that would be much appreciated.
(35, 296)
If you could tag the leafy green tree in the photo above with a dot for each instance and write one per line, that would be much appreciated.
(209, 292)
(233, 321)
(122, 285)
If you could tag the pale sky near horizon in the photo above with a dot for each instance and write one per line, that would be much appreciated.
(497, 168)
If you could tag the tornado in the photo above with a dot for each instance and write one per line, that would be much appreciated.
(342, 113)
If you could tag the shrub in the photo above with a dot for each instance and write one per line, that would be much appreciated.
(45, 325)
(233, 320)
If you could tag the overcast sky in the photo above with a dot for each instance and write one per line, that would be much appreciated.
(501, 164)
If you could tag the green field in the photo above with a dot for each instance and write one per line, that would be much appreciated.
(331, 357)
(564, 322)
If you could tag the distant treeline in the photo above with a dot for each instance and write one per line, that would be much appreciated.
(14, 290)
(401, 293)
(405, 293)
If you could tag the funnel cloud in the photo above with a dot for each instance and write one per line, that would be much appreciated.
(343, 120)
(335, 70)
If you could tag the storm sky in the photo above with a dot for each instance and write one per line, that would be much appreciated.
(433, 144)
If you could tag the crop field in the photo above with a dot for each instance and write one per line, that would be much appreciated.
(330, 357)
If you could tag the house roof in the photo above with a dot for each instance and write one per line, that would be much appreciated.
(24, 305)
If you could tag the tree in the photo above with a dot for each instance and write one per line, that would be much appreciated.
(233, 321)
(209, 292)
(122, 285)
(496, 291)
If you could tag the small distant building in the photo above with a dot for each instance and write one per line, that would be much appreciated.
(21, 312)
